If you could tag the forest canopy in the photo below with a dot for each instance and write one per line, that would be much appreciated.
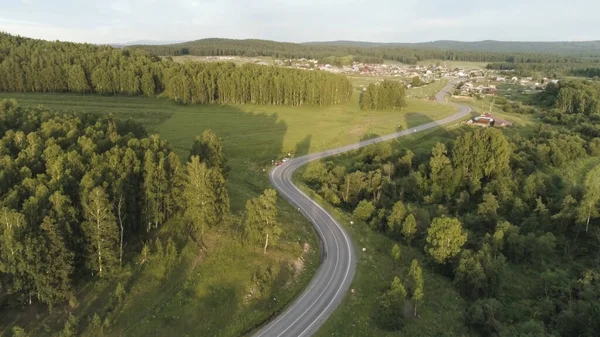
(491, 214)
(28, 65)
(383, 95)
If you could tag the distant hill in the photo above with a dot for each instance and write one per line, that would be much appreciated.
(551, 58)
(567, 48)
(143, 42)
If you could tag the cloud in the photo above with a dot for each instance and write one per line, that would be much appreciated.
(192, 3)
(298, 21)
(440, 22)
(121, 6)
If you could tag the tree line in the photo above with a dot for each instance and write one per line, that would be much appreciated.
(404, 54)
(226, 83)
(480, 208)
(383, 95)
(28, 65)
(76, 189)
(552, 67)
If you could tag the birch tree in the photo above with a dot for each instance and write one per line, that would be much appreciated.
(261, 215)
(416, 275)
(206, 197)
(101, 232)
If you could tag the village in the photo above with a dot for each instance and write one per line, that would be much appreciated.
(474, 81)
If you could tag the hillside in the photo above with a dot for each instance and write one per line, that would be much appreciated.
(566, 48)
(551, 58)
(253, 48)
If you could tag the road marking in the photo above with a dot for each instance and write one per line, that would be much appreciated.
(314, 283)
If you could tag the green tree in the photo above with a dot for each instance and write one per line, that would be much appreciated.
(394, 221)
(444, 179)
(148, 85)
(445, 238)
(483, 153)
(389, 313)
(589, 207)
(120, 293)
(416, 275)
(51, 250)
(77, 80)
(486, 316)
(489, 206)
(409, 228)
(209, 148)
(354, 183)
(415, 81)
(11, 255)
(70, 327)
(17, 331)
(101, 232)
(364, 210)
(261, 218)
(205, 194)
(396, 254)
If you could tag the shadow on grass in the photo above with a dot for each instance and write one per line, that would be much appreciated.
(303, 147)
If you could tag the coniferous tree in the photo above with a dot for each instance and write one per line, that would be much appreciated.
(52, 287)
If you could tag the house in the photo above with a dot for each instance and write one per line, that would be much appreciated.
(487, 119)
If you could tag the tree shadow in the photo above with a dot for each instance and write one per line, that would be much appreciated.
(251, 140)
(303, 147)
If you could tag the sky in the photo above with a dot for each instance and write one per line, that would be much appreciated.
(122, 21)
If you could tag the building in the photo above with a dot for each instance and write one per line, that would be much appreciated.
(487, 119)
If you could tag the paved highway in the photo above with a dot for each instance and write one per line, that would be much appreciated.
(338, 259)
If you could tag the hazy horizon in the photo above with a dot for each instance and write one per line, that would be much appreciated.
(125, 21)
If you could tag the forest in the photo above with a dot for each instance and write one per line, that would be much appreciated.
(82, 195)
(547, 62)
(384, 95)
(487, 211)
(563, 48)
(75, 189)
(567, 67)
(28, 65)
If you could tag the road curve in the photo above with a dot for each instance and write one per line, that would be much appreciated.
(338, 260)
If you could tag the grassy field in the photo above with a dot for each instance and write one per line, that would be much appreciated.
(234, 59)
(426, 91)
(207, 292)
(516, 92)
(522, 124)
(420, 93)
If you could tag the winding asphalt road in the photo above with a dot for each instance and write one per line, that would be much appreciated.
(338, 259)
